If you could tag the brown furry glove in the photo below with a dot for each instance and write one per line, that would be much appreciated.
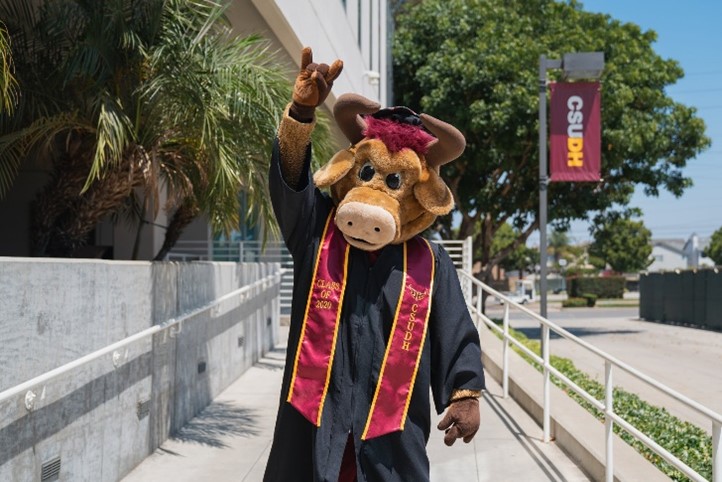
(312, 86)
(462, 420)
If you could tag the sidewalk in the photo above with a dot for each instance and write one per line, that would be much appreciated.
(230, 440)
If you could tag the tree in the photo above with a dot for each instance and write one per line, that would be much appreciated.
(558, 244)
(474, 63)
(127, 99)
(623, 244)
(521, 258)
(714, 249)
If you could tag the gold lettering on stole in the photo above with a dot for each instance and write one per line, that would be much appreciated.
(409, 332)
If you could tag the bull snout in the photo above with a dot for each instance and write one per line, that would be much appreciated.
(366, 226)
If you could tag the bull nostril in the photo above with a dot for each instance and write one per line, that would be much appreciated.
(378, 230)
(350, 223)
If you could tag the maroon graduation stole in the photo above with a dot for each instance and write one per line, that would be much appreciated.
(317, 343)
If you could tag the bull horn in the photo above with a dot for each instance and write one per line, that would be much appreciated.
(346, 111)
(450, 144)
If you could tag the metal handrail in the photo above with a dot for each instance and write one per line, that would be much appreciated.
(607, 406)
(44, 378)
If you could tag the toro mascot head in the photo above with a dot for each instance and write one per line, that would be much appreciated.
(386, 184)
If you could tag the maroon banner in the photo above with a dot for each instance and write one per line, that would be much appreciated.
(575, 153)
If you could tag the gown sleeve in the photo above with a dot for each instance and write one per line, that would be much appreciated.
(294, 201)
(455, 347)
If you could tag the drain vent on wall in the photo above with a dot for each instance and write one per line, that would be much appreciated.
(143, 409)
(201, 367)
(241, 341)
(50, 470)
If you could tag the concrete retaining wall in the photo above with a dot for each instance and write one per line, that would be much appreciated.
(573, 429)
(101, 421)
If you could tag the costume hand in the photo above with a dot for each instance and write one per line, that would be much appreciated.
(462, 420)
(313, 85)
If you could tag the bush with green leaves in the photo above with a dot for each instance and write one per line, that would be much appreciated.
(574, 303)
(590, 298)
(685, 440)
(603, 287)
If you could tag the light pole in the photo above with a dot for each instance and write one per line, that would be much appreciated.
(588, 65)
(575, 66)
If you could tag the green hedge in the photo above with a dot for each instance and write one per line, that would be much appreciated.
(685, 440)
(607, 287)
(590, 298)
(574, 303)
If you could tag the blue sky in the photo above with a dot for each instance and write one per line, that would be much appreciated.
(691, 33)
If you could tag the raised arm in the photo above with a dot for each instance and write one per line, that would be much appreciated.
(312, 86)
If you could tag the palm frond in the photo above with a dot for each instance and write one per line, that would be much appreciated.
(114, 133)
(35, 140)
(8, 84)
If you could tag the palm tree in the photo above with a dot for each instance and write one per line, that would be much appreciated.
(126, 99)
(8, 98)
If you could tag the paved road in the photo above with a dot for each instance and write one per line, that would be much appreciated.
(688, 360)
(230, 440)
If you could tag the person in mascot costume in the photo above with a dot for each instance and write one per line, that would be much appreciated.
(378, 315)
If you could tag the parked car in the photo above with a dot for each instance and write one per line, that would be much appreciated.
(515, 297)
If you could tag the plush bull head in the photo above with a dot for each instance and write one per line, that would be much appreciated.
(386, 185)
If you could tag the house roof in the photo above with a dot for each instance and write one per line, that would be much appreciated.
(679, 245)
(676, 245)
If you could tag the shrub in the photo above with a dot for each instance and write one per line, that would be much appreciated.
(590, 298)
(574, 303)
(683, 439)
(607, 287)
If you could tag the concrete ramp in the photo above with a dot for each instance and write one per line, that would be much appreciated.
(231, 438)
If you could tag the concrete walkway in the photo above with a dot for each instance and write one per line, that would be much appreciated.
(230, 440)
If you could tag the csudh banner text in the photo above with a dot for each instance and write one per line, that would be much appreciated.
(575, 131)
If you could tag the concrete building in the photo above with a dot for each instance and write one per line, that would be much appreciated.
(352, 30)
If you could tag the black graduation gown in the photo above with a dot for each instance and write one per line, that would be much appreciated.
(451, 357)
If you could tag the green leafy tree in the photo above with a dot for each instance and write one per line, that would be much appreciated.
(623, 244)
(474, 63)
(558, 244)
(714, 249)
(521, 258)
(137, 107)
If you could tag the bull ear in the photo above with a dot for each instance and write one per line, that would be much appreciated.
(335, 169)
(433, 194)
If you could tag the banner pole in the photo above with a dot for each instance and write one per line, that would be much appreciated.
(543, 184)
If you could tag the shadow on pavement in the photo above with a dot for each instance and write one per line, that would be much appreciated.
(218, 420)
(535, 333)
(524, 439)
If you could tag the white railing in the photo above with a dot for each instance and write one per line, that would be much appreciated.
(460, 252)
(607, 407)
(175, 326)
(241, 251)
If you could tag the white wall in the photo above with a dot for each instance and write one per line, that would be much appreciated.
(670, 260)
(335, 32)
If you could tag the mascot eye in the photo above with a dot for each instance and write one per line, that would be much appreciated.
(393, 181)
(367, 172)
